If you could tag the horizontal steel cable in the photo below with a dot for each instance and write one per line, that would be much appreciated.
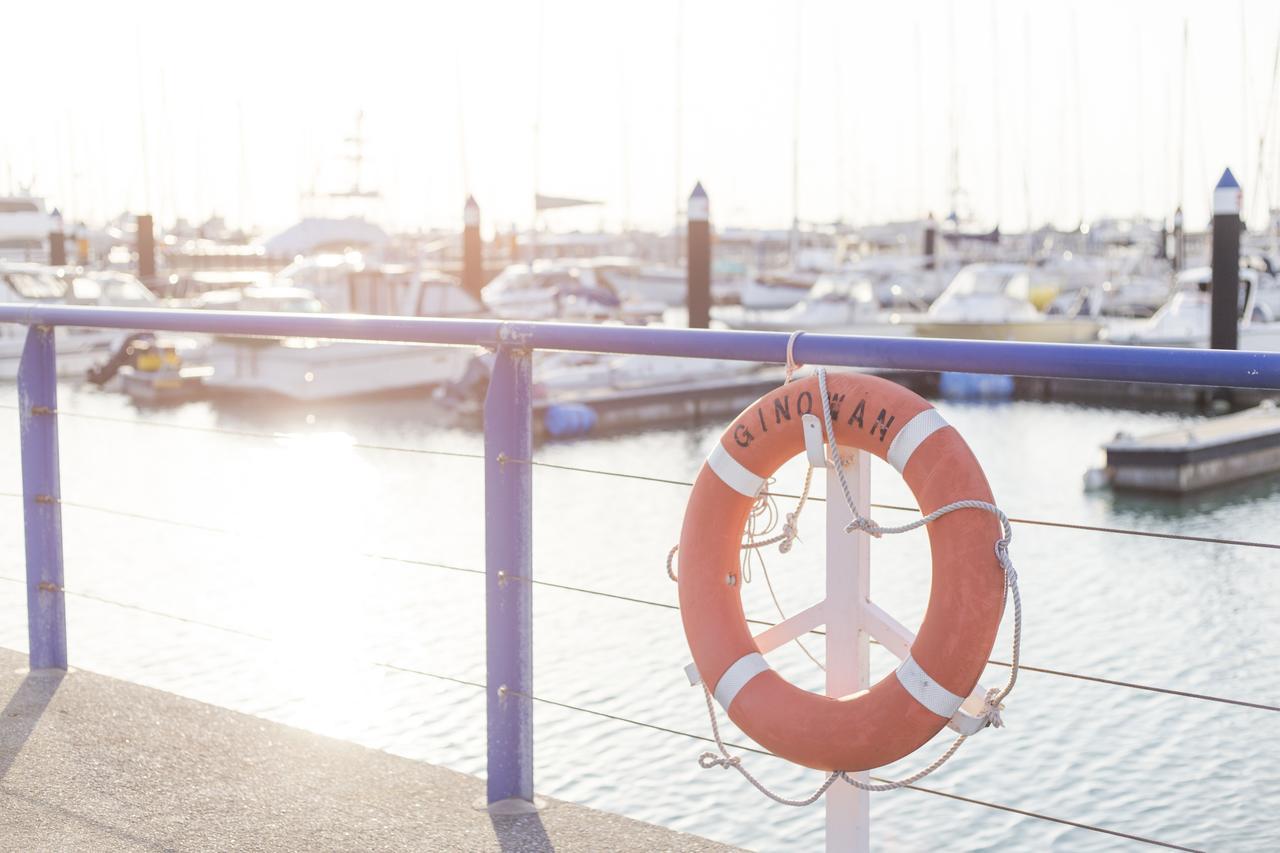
(237, 433)
(1262, 706)
(1065, 525)
(616, 717)
(667, 730)
(1124, 531)
(603, 714)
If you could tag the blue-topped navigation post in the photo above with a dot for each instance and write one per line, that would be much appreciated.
(41, 496)
(508, 526)
(146, 247)
(472, 249)
(57, 240)
(1224, 326)
(698, 274)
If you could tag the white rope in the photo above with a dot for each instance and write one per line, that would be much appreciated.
(707, 760)
(764, 505)
(790, 529)
(792, 364)
(994, 700)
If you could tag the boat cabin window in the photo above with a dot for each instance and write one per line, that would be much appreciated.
(111, 290)
(30, 285)
(990, 281)
(831, 288)
(1018, 286)
(297, 304)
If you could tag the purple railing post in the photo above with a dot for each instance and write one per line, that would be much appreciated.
(42, 513)
(508, 527)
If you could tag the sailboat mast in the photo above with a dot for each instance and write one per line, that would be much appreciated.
(795, 142)
(242, 207)
(1182, 116)
(953, 117)
(1244, 92)
(679, 130)
(919, 65)
(1026, 119)
(462, 126)
(1139, 174)
(839, 81)
(995, 107)
(1079, 116)
(537, 137)
(142, 123)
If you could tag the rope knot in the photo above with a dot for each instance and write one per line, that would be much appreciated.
(790, 532)
(1006, 562)
(709, 759)
(866, 525)
(993, 709)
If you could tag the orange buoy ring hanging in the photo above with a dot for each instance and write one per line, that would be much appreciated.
(908, 707)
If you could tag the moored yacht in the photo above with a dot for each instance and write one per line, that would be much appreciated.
(1184, 320)
(313, 369)
(77, 348)
(566, 290)
(993, 301)
(25, 225)
(839, 303)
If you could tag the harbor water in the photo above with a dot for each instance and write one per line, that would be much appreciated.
(291, 562)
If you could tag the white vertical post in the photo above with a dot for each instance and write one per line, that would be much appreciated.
(848, 644)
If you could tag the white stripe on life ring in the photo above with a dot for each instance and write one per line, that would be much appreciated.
(736, 677)
(926, 691)
(731, 471)
(911, 436)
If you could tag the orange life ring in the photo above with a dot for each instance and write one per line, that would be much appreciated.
(908, 707)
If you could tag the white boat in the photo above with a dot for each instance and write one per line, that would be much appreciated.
(1184, 321)
(564, 290)
(310, 369)
(77, 348)
(566, 375)
(992, 301)
(777, 290)
(25, 225)
(346, 283)
(669, 286)
(838, 303)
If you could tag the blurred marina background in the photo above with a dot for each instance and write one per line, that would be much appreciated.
(294, 528)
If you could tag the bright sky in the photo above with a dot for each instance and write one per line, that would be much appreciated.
(1068, 109)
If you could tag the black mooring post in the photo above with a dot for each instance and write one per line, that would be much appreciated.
(930, 242)
(82, 244)
(698, 274)
(146, 248)
(472, 253)
(57, 240)
(1225, 323)
(1179, 242)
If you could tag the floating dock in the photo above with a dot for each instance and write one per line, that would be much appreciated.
(91, 763)
(1206, 454)
(611, 410)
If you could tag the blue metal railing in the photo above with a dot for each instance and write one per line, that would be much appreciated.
(508, 441)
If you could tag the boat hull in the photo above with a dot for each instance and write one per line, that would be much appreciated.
(311, 371)
(78, 349)
(1046, 331)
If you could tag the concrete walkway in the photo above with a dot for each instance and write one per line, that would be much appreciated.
(95, 764)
